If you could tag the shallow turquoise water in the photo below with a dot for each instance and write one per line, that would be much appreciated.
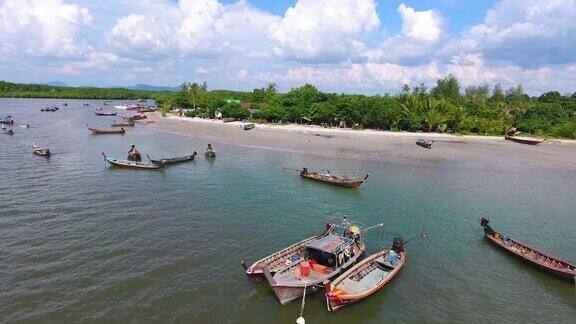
(81, 241)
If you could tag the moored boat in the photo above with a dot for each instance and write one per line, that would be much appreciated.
(38, 150)
(7, 121)
(96, 131)
(124, 124)
(175, 160)
(554, 266)
(131, 164)
(425, 143)
(101, 113)
(210, 154)
(366, 277)
(323, 259)
(333, 180)
(281, 259)
(135, 117)
(7, 131)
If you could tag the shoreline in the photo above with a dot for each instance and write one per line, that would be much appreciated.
(492, 152)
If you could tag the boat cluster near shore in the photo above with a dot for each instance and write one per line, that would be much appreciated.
(333, 261)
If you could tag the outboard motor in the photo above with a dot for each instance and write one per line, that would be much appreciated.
(398, 244)
(304, 170)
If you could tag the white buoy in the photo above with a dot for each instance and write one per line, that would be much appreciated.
(300, 320)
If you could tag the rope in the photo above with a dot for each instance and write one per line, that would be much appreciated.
(303, 302)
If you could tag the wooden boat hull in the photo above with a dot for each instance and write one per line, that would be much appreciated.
(131, 124)
(174, 160)
(8, 132)
(249, 127)
(335, 302)
(135, 118)
(104, 114)
(349, 183)
(425, 144)
(524, 140)
(106, 132)
(131, 164)
(273, 261)
(554, 266)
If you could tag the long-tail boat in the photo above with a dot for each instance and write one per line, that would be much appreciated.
(366, 277)
(425, 143)
(97, 131)
(101, 113)
(512, 135)
(38, 150)
(323, 259)
(134, 118)
(175, 160)
(124, 124)
(7, 131)
(281, 259)
(131, 164)
(333, 180)
(542, 260)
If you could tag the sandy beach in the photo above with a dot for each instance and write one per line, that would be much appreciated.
(396, 147)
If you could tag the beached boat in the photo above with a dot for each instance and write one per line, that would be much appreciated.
(38, 150)
(228, 119)
(425, 143)
(131, 164)
(175, 160)
(101, 113)
(124, 124)
(249, 126)
(524, 140)
(97, 131)
(366, 277)
(134, 118)
(323, 259)
(555, 266)
(333, 180)
(145, 110)
(281, 259)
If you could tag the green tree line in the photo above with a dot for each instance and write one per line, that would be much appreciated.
(21, 90)
(446, 107)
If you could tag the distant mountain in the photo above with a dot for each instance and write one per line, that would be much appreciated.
(147, 87)
(56, 84)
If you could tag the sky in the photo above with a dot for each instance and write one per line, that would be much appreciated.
(353, 46)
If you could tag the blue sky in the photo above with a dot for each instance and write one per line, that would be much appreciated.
(363, 46)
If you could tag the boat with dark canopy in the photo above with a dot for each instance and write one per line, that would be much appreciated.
(366, 277)
(323, 259)
(175, 160)
(131, 164)
(554, 266)
(332, 179)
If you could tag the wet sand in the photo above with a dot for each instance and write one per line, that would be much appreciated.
(395, 147)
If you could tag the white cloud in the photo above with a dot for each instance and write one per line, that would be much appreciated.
(192, 28)
(528, 32)
(343, 75)
(426, 26)
(394, 75)
(42, 27)
(420, 37)
(324, 30)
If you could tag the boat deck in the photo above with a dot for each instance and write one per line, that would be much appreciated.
(292, 275)
(367, 278)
